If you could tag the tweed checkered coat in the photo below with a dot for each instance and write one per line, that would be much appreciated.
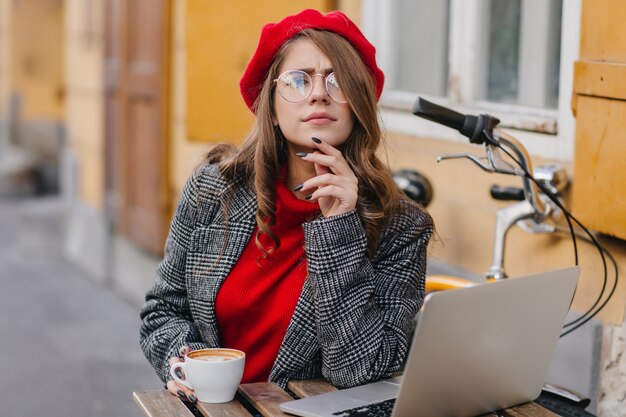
(353, 318)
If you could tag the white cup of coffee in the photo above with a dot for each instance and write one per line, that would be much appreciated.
(214, 374)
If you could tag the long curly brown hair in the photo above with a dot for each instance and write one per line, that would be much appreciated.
(259, 159)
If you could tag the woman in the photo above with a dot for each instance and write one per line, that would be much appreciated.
(296, 248)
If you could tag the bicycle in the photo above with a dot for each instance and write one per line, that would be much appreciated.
(537, 208)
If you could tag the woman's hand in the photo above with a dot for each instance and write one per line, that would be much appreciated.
(181, 391)
(335, 187)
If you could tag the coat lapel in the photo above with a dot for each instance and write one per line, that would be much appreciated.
(214, 250)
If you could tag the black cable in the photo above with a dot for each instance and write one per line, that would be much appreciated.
(589, 314)
(612, 259)
(595, 243)
(567, 214)
(554, 198)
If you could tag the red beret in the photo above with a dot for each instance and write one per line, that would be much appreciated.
(274, 35)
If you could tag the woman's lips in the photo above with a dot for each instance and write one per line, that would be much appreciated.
(319, 118)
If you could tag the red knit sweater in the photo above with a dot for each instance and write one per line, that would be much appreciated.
(256, 301)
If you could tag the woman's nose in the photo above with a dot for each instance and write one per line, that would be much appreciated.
(318, 89)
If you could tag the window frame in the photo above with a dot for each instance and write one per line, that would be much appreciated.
(545, 132)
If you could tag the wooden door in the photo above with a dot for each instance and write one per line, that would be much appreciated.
(114, 120)
(137, 66)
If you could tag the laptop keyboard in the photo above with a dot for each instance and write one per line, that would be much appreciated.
(381, 409)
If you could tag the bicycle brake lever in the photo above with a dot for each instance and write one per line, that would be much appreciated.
(476, 160)
(500, 165)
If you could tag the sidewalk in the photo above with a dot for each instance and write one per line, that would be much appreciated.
(68, 346)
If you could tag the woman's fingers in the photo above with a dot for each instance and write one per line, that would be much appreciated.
(320, 169)
(328, 179)
(335, 186)
(335, 194)
(325, 148)
(327, 156)
(346, 198)
(333, 163)
(174, 360)
(181, 391)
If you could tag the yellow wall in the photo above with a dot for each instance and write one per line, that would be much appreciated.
(36, 57)
(84, 112)
(599, 196)
(352, 8)
(184, 154)
(599, 94)
(602, 35)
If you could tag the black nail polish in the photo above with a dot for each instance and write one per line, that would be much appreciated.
(179, 373)
(316, 140)
(181, 394)
(192, 398)
(301, 154)
(308, 197)
(298, 187)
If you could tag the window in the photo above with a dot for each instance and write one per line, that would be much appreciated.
(523, 42)
(496, 56)
(419, 58)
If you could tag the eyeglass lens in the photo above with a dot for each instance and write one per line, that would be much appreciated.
(295, 86)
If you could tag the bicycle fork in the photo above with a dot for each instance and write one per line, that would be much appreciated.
(505, 218)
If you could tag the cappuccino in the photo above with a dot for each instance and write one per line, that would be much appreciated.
(215, 355)
(213, 373)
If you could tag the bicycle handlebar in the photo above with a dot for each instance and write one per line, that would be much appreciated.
(479, 129)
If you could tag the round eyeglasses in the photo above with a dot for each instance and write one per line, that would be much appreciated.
(295, 86)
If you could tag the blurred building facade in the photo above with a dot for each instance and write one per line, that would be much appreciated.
(32, 88)
(127, 96)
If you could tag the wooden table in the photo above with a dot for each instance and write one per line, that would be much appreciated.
(265, 398)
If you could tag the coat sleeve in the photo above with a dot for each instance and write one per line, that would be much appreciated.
(364, 309)
(166, 321)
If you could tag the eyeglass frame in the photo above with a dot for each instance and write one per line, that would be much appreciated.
(311, 89)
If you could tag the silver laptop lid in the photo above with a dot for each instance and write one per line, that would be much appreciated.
(487, 347)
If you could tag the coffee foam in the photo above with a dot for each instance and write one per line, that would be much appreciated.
(214, 358)
(215, 355)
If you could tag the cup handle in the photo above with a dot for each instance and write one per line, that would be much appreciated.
(174, 367)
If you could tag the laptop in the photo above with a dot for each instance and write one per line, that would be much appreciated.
(475, 350)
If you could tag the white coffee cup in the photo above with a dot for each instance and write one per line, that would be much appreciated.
(214, 374)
